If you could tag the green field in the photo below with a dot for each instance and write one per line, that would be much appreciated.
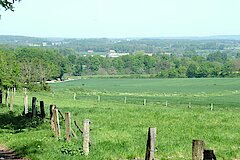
(119, 131)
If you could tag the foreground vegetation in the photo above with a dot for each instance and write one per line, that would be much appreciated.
(119, 131)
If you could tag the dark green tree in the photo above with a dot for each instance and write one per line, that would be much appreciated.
(9, 70)
(217, 56)
(192, 70)
(7, 5)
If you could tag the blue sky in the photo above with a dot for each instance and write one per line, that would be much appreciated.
(122, 18)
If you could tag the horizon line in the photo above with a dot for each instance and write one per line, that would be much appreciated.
(131, 37)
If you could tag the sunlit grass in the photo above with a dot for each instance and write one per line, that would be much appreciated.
(119, 131)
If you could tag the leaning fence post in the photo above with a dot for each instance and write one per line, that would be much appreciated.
(68, 126)
(52, 107)
(197, 150)
(150, 144)
(11, 103)
(26, 104)
(86, 137)
(42, 111)
(56, 122)
(34, 109)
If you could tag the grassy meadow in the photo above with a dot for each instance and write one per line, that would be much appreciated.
(119, 130)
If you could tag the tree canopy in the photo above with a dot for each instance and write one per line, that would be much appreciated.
(7, 5)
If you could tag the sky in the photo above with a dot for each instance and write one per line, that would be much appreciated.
(121, 18)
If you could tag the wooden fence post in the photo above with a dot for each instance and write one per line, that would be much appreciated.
(42, 110)
(99, 98)
(1, 98)
(189, 105)
(74, 96)
(11, 103)
(6, 98)
(151, 144)
(56, 123)
(144, 102)
(14, 91)
(211, 106)
(86, 137)
(52, 107)
(26, 104)
(125, 100)
(197, 150)
(34, 109)
(68, 126)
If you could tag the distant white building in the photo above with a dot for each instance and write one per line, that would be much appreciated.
(90, 51)
(112, 51)
(56, 43)
(44, 44)
(114, 54)
(149, 54)
(167, 53)
(34, 45)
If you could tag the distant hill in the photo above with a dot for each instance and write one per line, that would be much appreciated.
(217, 37)
(174, 45)
(9, 38)
(227, 37)
(24, 40)
(27, 40)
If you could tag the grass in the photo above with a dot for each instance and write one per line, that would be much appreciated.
(119, 131)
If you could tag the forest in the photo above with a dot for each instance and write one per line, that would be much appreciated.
(22, 65)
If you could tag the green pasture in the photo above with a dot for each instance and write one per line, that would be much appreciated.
(188, 86)
(223, 92)
(119, 131)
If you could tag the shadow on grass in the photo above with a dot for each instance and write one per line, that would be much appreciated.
(13, 121)
(34, 147)
(16, 123)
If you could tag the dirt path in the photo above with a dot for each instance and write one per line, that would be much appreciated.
(6, 154)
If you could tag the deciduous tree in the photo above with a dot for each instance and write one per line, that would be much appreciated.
(7, 4)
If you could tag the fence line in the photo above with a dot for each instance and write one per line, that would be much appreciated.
(162, 101)
(198, 146)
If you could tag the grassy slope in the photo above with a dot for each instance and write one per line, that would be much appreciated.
(120, 130)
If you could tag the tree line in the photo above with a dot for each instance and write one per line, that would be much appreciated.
(216, 64)
(32, 67)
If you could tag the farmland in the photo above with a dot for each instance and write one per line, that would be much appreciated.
(119, 130)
